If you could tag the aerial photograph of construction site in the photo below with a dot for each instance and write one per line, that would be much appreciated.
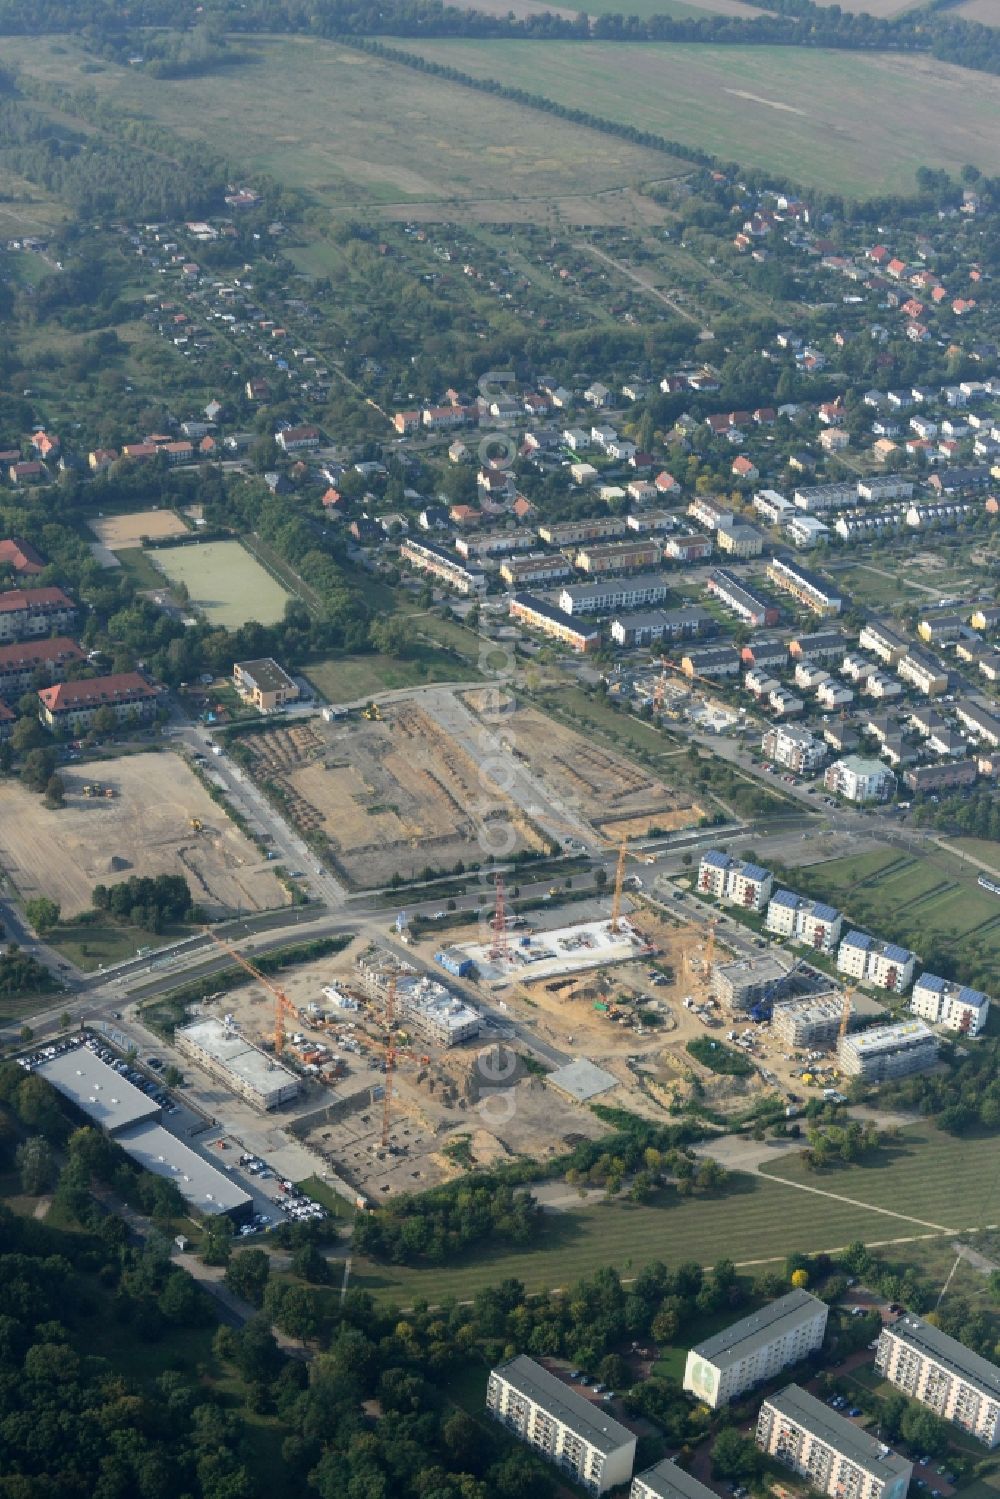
(419, 782)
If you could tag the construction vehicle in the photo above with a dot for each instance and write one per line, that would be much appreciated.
(373, 711)
(197, 824)
(282, 1004)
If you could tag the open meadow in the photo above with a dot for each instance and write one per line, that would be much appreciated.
(922, 900)
(928, 1179)
(222, 579)
(353, 130)
(145, 828)
(855, 123)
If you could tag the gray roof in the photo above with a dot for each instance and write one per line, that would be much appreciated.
(842, 1435)
(582, 1079)
(592, 1422)
(266, 674)
(98, 1090)
(734, 1343)
(955, 1357)
(203, 1185)
(668, 1481)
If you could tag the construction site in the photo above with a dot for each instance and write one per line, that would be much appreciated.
(147, 814)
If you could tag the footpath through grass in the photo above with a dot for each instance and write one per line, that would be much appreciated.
(757, 1220)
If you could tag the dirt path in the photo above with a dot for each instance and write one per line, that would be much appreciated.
(641, 281)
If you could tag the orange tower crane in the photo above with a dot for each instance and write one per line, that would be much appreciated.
(390, 1058)
(616, 904)
(282, 1004)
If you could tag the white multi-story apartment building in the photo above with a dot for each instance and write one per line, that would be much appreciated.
(888, 1051)
(829, 1452)
(860, 780)
(668, 1481)
(425, 556)
(755, 1348)
(583, 1440)
(796, 749)
(941, 1373)
(807, 921)
(620, 593)
(880, 963)
(951, 1005)
(734, 883)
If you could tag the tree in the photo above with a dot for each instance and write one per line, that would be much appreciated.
(247, 1275)
(311, 1265)
(43, 913)
(36, 1165)
(922, 1429)
(735, 1457)
(800, 1279)
(55, 791)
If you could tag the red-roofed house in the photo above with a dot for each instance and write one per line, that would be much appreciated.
(75, 705)
(26, 612)
(44, 445)
(742, 468)
(101, 459)
(896, 268)
(298, 439)
(666, 483)
(21, 556)
(19, 663)
(139, 451)
(32, 472)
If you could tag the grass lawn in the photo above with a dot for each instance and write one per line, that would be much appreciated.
(97, 946)
(924, 901)
(140, 569)
(979, 848)
(335, 1205)
(945, 1181)
(807, 114)
(871, 588)
(763, 1217)
(346, 679)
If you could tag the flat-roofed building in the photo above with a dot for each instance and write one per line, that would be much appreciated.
(264, 684)
(860, 780)
(668, 1481)
(954, 1006)
(940, 1372)
(662, 624)
(555, 623)
(740, 985)
(203, 1186)
(888, 1051)
(807, 588)
(809, 1022)
(623, 593)
(109, 1100)
(581, 1439)
(756, 1348)
(833, 1455)
(247, 1071)
(795, 749)
(923, 672)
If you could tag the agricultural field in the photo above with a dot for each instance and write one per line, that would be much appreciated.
(356, 131)
(809, 115)
(118, 532)
(983, 11)
(222, 579)
(145, 828)
(922, 900)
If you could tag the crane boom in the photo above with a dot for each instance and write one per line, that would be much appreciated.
(390, 1058)
(282, 1004)
(616, 904)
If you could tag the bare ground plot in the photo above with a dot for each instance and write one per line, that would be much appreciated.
(118, 532)
(356, 130)
(388, 797)
(810, 114)
(145, 829)
(612, 793)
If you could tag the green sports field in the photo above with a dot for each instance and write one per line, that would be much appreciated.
(929, 1180)
(860, 124)
(228, 585)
